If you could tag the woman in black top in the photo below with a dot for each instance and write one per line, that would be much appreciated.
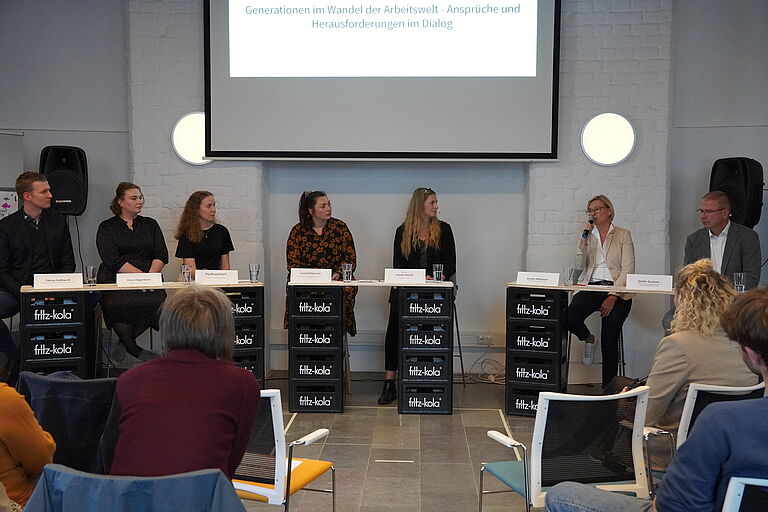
(421, 241)
(203, 244)
(130, 243)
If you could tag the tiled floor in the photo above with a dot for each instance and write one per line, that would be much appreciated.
(390, 462)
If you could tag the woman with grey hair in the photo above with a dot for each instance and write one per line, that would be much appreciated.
(193, 409)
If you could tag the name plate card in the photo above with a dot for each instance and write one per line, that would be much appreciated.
(649, 282)
(140, 280)
(538, 278)
(310, 275)
(405, 275)
(74, 280)
(216, 276)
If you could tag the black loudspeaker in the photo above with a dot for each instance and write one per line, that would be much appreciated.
(742, 179)
(67, 171)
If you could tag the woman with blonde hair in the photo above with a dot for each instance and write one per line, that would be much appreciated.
(203, 243)
(697, 350)
(609, 256)
(420, 242)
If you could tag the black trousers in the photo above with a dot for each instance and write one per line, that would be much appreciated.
(391, 339)
(584, 304)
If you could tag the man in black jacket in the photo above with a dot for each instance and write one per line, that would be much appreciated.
(33, 240)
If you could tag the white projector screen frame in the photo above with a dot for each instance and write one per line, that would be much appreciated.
(469, 114)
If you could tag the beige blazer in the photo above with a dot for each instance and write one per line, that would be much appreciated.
(685, 357)
(619, 256)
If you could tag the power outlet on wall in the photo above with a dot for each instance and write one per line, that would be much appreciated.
(485, 341)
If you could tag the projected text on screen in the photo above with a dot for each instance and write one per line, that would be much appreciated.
(304, 38)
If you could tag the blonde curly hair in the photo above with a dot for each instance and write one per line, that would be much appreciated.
(702, 296)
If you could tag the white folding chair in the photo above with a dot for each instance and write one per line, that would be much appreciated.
(590, 439)
(266, 474)
(737, 487)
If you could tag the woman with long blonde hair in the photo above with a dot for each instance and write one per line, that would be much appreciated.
(420, 242)
(203, 242)
(697, 350)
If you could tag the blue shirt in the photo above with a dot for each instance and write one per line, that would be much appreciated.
(728, 439)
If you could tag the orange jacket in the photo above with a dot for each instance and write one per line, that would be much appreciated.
(24, 446)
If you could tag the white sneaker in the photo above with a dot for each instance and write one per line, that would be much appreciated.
(589, 352)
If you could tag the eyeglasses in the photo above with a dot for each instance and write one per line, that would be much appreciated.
(596, 209)
(707, 212)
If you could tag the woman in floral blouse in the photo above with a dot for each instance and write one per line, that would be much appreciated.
(321, 241)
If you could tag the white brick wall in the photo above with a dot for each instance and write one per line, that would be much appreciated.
(615, 57)
(165, 70)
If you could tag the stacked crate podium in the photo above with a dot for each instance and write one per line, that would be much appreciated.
(248, 310)
(426, 350)
(316, 349)
(53, 333)
(537, 346)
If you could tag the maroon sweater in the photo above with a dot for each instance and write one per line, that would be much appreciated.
(182, 413)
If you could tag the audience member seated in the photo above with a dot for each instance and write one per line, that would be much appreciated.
(697, 350)
(24, 446)
(728, 438)
(192, 409)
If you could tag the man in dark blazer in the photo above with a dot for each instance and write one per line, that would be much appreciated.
(33, 240)
(737, 248)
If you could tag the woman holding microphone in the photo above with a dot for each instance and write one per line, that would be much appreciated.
(420, 242)
(608, 255)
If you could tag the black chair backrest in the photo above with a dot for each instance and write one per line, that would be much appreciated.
(73, 411)
(588, 442)
(258, 464)
(754, 499)
(705, 398)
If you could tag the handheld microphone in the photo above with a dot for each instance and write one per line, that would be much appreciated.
(585, 233)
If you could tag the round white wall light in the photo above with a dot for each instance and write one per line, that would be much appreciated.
(607, 139)
(188, 138)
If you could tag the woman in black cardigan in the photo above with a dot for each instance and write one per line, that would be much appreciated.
(421, 241)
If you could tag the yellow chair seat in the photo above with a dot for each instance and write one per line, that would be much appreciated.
(301, 476)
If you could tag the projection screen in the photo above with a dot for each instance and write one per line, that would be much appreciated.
(422, 80)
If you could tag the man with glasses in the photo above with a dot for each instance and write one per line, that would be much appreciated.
(731, 247)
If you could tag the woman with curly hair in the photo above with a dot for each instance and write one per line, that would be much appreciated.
(203, 243)
(321, 241)
(697, 350)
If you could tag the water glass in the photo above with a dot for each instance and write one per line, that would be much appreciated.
(570, 275)
(346, 272)
(437, 271)
(253, 272)
(186, 273)
(740, 281)
(90, 275)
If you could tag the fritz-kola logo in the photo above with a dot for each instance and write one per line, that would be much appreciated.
(425, 309)
(240, 309)
(523, 373)
(245, 339)
(526, 405)
(417, 403)
(415, 339)
(532, 342)
(53, 349)
(317, 307)
(423, 371)
(321, 339)
(522, 309)
(305, 369)
(317, 401)
(52, 314)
